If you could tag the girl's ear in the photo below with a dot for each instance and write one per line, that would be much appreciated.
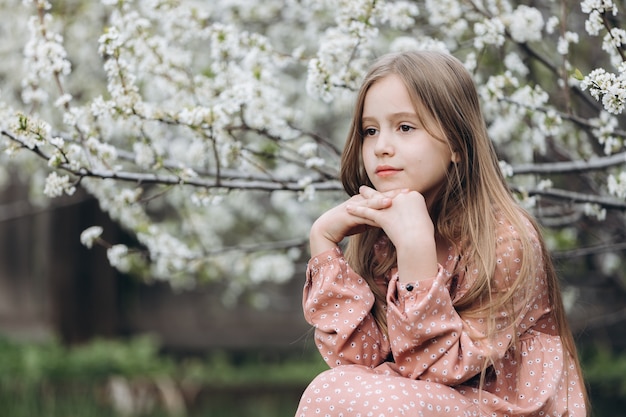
(456, 158)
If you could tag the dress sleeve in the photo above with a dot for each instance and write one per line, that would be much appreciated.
(338, 303)
(430, 340)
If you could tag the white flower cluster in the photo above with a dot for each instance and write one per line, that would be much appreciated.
(30, 131)
(506, 168)
(308, 192)
(90, 235)
(596, 23)
(169, 254)
(613, 43)
(552, 24)
(598, 6)
(514, 63)
(405, 43)
(489, 32)
(565, 41)
(449, 14)
(545, 184)
(57, 185)
(594, 210)
(210, 98)
(273, 268)
(44, 58)
(398, 14)
(145, 156)
(607, 87)
(105, 153)
(603, 129)
(617, 185)
(344, 51)
(118, 257)
(525, 24)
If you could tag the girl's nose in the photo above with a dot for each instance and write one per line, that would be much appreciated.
(384, 145)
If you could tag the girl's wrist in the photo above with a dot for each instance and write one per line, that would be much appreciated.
(417, 262)
(319, 241)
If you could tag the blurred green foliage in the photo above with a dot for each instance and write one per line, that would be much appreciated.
(49, 379)
(605, 375)
(31, 363)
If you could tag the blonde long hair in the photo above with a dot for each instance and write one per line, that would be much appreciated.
(474, 194)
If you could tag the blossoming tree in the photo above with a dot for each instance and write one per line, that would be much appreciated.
(212, 130)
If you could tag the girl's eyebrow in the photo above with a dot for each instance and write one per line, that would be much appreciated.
(367, 119)
(403, 115)
(394, 116)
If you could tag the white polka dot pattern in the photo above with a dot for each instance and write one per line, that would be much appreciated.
(437, 353)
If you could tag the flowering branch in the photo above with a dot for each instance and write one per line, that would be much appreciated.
(207, 130)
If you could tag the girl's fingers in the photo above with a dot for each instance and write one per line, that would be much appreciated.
(377, 202)
(369, 192)
(367, 214)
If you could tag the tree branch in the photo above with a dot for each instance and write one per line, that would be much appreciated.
(570, 166)
(574, 197)
(242, 183)
(592, 250)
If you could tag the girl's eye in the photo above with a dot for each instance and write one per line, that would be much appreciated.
(406, 128)
(370, 131)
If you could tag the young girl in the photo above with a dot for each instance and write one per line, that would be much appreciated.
(445, 301)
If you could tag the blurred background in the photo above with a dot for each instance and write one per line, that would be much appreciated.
(77, 337)
(206, 323)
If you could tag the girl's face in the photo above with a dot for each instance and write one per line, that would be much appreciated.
(397, 150)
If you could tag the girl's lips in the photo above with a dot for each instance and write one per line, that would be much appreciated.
(384, 171)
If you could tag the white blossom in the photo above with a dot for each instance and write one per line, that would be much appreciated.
(594, 210)
(608, 88)
(118, 257)
(90, 235)
(274, 268)
(399, 14)
(308, 150)
(594, 23)
(128, 196)
(144, 154)
(63, 100)
(544, 184)
(103, 151)
(525, 24)
(191, 90)
(443, 12)
(314, 162)
(56, 185)
(57, 142)
(318, 82)
(617, 185)
(44, 54)
(603, 129)
(565, 41)
(551, 24)
(489, 32)
(587, 6)
(506, 168)
(514, 63)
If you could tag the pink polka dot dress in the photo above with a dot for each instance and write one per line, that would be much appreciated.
(430, 363)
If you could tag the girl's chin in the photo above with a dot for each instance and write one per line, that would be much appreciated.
(383, 188)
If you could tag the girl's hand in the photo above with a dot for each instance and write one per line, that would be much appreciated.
(403, 220)
(337, 223)
(408, 225)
